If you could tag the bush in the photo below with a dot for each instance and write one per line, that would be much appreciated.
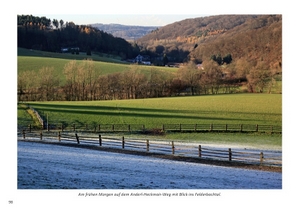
(154, 131)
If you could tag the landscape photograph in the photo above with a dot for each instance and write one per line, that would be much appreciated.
(149, 107)
(214, 86)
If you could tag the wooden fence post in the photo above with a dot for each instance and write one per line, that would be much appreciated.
(172, 147)
(62, 127)
(226, 127)
(112, 127)
(100, 139)
(24, 134)
(143, 128)
(199, 151)
(241, 127)
(99, 127)
(129, 128)
(261, 157)
(123, 142)
(180, 127)
(59, 136)
(229, 154)
(74, 127)
(257, 128)
(163, 128)
(211, 127)
(77, 138)
(41, 135)
(147, 145)
(29, 127)
(195, 126)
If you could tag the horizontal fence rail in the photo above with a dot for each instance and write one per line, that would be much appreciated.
(164, 128)
(272, 158)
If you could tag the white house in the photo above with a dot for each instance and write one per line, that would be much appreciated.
(142, 59)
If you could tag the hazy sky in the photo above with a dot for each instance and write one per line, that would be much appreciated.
(125, 19)
(144, 13)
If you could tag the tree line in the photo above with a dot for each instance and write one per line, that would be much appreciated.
(83, 83)
(43, 34)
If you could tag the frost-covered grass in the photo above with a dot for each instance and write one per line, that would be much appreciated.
(43, 166)
(245, 140)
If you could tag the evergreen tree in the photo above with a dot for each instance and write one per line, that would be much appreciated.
(227, 59)
(165, 60)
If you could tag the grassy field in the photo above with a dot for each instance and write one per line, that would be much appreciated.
(24, 117)
(247, 140)
(96, 57)
(35, 60)
(262, 109)
(27, 63)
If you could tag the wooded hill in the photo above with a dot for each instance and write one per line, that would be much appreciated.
(40, 33)
(256, 39)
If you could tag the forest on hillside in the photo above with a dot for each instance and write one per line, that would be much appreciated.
(41, 33)
(256, 39)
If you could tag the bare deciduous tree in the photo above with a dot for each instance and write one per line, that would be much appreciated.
(212, 75)
(48, 82)
(190, 75)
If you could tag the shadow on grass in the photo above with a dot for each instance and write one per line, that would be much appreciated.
(139, 110)
(128, 112)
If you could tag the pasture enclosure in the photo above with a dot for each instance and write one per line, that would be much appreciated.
(240, 119)
(91, 140)
(136, 128)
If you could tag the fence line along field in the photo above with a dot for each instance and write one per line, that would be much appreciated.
(231, 110)
(136, 146)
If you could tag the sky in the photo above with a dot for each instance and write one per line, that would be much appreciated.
(124, 19)
(141, 13)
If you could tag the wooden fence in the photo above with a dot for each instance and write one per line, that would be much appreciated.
(162, 147)
(97, 128)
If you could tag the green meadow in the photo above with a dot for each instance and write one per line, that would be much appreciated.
(263, 109)
(35, 60)
(96, 57)
(27, 63)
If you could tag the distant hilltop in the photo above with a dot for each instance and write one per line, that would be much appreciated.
(126, 32)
